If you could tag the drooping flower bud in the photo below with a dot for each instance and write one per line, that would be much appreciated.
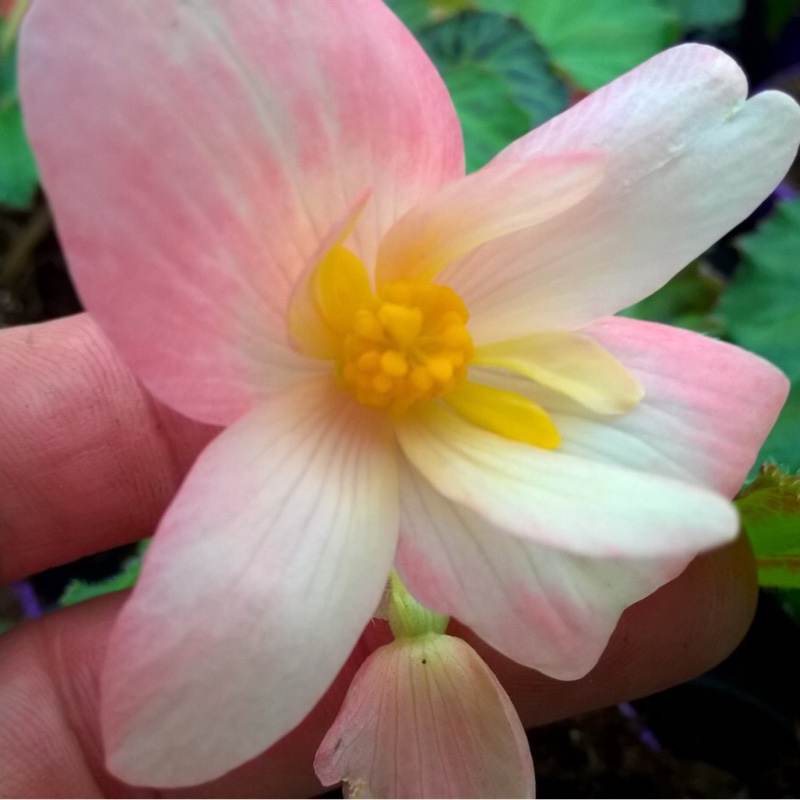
(425, 717)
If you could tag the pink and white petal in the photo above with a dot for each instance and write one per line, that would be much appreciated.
(688, 159)
(499, 199)
(545, 608)
(425, 717)
(262, 575)
(706, 410)
(560, 500)
(195, 154)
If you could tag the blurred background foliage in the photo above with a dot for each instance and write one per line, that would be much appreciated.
(511, 65)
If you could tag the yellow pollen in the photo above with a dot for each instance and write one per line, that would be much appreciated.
(406, 343)
(394, 363)
(402, 323)
(409, 345)
(367, 326)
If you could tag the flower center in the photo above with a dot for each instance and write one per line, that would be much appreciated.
(409, 343)
(391, 348)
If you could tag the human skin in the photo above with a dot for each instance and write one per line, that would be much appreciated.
(89, 461)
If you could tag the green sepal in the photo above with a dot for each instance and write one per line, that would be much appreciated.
(407, 617)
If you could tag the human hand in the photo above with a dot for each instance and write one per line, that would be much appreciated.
(89, 461)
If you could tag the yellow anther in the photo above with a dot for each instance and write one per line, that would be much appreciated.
(405, 344)
(451, 319)
(456, 336)
(369, 361)
(408, 345)
(421, 380)
(402, 323)
(367, 326)
(440, 369)
(382, 383)
(400, 292)
(394, 363)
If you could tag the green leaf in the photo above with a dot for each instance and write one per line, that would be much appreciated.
(686, 301)
(417, 14)
(778, 14)
(706, 13)
(489, 115)
(770, 512)
(18, 174)
(78, 591)
(499, 78)
(783, 443)
(595, 41)
(761, 307)
(761, 312)
(414, 14)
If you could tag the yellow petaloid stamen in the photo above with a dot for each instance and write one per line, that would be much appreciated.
(506, 413)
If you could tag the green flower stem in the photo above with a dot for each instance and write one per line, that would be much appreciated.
(407, 617)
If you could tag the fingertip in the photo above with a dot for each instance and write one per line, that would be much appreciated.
(88, 460)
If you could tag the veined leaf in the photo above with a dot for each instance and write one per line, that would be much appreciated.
(500, 79)
(761, 312)
(706, 13)
(687, 301)
(761, 307)
(595, 41)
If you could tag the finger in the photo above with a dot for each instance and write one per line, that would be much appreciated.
(88, 460)
(49, 673)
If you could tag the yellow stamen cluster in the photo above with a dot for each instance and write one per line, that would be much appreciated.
(408, 344)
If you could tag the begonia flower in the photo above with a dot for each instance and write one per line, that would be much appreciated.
(263, 204)
(425, 717)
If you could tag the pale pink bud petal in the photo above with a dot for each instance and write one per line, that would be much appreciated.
(425, 717)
